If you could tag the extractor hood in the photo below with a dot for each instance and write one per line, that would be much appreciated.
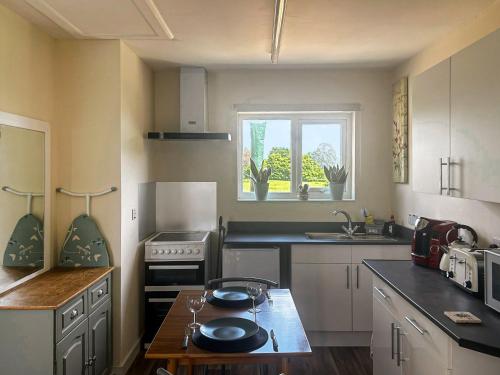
(193, 111)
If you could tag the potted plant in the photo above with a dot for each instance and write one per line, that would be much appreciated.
(337, 177)
(304, 192)
(260, 180)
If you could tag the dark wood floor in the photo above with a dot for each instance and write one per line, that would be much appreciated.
(325, 361)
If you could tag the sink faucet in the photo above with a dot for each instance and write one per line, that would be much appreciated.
(349, 230)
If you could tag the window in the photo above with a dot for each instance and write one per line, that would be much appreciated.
(296, 146)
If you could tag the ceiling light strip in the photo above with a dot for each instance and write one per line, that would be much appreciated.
(159, 18)
(279, 17)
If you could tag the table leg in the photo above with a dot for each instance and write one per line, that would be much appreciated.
(284, 366)
(190, 369)
(172, 366)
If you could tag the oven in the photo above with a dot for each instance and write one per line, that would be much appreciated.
(174, 261)
(492, 279)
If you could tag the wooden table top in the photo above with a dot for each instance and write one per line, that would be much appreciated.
(281, 316)
(52, 289)
(9, 275)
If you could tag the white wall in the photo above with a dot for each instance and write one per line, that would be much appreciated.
(137, 113)
(483, 216)
(216, 161)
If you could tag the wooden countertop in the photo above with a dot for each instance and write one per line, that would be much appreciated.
(52, 289)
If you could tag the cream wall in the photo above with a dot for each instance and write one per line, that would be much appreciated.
(137, 112)
(216, 161)
(483, 216)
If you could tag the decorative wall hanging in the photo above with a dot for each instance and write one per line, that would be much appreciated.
(400, 131)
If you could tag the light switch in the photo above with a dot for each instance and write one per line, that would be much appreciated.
(134, 214)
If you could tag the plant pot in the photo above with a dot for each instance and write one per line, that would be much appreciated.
(337, 191)
(303, 196)
(261, 191)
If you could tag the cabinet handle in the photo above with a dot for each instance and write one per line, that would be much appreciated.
(348, 277)
(393, 327)
(399, 350)
(441, 164)
(357, 276)
(384, 296)
(415, 325)
(100, 292)
(74, 313)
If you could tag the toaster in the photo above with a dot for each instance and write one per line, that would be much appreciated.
(466, 269)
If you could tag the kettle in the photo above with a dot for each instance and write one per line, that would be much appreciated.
(459, 243)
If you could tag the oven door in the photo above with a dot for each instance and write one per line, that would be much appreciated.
(492, 277)
(175, 273)
(157, 306)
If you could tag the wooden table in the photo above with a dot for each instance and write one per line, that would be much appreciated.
(281, 316)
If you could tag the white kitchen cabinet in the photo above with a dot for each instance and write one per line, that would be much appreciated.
(361, 298)
(383, 345)
(322, 294)
(431, 128)
(475, 124)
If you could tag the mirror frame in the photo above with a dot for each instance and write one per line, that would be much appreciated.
(27, 123)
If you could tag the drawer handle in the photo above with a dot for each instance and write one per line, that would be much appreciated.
(381, 292)
(415, 325)
(100, 292)
(74, 314)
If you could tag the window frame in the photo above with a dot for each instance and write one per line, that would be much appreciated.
(299, 119)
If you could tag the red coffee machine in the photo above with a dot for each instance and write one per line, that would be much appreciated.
(429, 237)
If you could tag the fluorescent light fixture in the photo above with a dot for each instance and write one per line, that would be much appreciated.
(279, 17)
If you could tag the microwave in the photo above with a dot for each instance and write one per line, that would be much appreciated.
(492, 279)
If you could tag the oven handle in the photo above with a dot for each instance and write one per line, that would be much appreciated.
(161, 300)
(172, 288)
(180, 267)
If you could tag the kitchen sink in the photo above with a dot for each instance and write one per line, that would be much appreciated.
(344, 236)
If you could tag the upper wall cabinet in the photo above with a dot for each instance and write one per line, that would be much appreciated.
(431, 128)
(475, 120)
(456, 124)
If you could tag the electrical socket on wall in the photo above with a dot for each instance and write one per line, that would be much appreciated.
(412, 218)
(134, 214)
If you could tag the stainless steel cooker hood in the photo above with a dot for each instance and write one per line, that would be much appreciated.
(193, 111)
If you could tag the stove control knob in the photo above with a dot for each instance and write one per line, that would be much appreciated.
(155, 252)
(189, 251)
(181, 251)
(174, 251)
(168, 251)
(197, 251)
(161, 251)
(468, 284)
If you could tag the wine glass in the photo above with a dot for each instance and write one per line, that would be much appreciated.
(195, 304)
(254, 290)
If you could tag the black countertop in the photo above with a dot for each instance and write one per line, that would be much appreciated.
(432, 294)
(236, 238)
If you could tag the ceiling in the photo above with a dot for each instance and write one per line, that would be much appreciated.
(215, 33)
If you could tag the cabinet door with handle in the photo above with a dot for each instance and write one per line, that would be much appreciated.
(384, 341)
(322, 293)
(475, 113)
(361, 298)
(100, 340)
(72, 352)
(431, 129)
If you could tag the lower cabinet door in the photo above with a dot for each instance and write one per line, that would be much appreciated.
(322, 293)
(384, 341)
(100, 340)
(72, 352)
(362, 304)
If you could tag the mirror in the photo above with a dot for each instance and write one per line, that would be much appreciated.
(23, 175)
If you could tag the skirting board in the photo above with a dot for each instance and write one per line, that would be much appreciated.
(129, 359)
(319, 338)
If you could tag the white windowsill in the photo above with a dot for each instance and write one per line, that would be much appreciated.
(326, 200)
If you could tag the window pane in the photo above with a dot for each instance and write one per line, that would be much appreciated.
(321, 145)
(268, 141)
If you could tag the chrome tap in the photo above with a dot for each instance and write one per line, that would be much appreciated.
(349, 230)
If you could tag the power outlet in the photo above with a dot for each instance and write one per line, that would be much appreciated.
(134, 214)
(412, 219)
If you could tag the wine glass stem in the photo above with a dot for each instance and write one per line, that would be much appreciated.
(254, 311)
(194, 319)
